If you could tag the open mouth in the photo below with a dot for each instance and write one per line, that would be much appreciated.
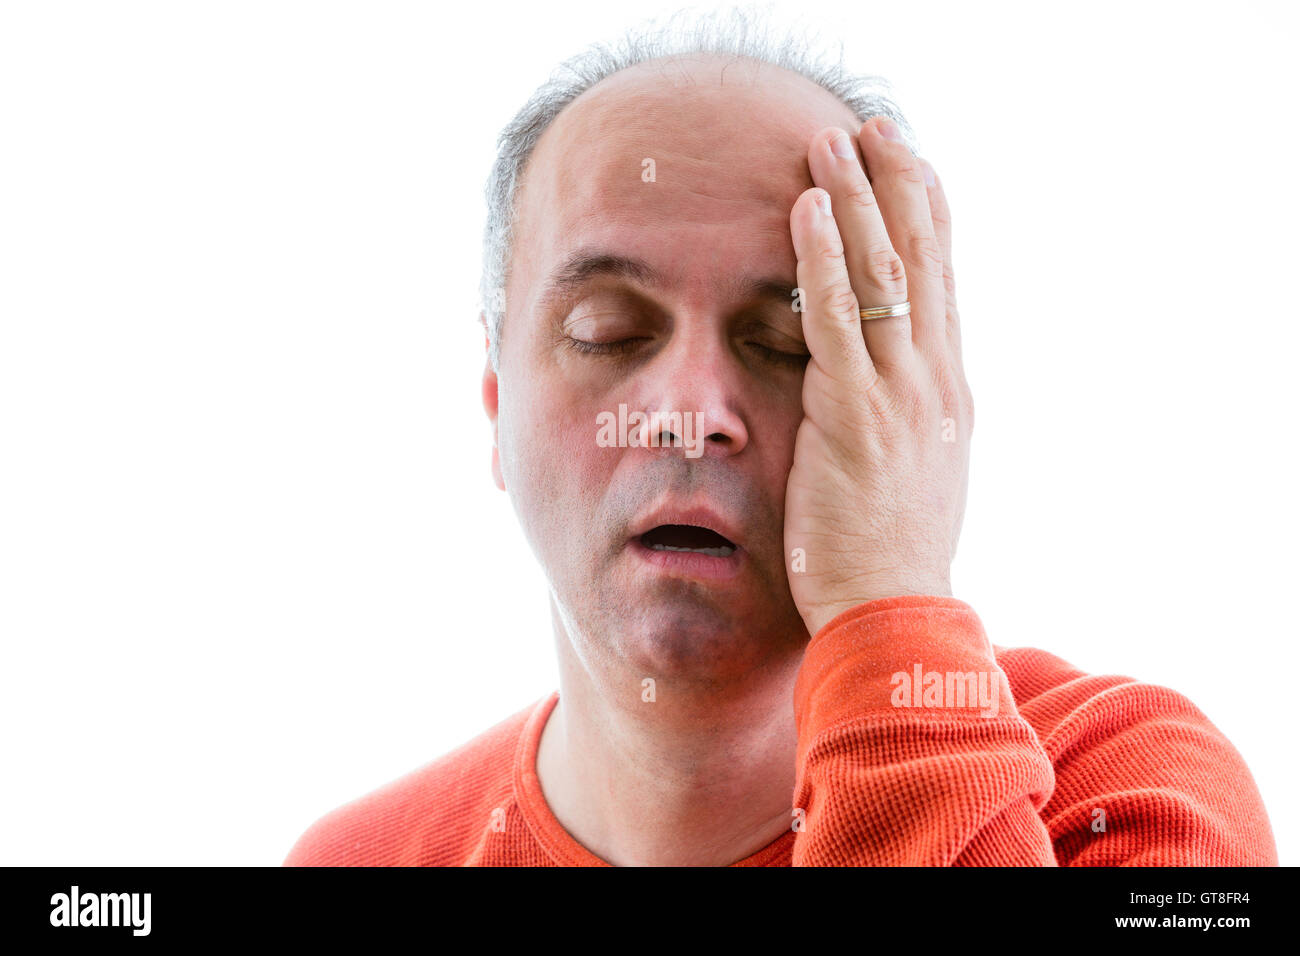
(688, 537)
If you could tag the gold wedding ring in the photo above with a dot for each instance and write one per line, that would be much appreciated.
(886, 311)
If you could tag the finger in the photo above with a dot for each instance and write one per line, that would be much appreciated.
(875, 269)
(941, 216)
(899, 182)
(831, 327)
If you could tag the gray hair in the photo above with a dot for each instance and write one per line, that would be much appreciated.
(736, 32)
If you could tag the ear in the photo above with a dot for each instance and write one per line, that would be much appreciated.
(490, 406)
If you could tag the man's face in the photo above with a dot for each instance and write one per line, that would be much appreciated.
(703, 324)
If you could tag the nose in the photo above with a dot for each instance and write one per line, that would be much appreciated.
(695, 375)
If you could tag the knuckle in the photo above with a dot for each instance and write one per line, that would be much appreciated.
(830, 248)
(861, 195)
(909, 170)
(885, 268)
(923, 250)
(840, 300)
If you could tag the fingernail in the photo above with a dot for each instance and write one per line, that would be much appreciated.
(889, 129)
(824, 201)
(841, 146)
(928, 170)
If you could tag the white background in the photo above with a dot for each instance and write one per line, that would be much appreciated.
(252, 562)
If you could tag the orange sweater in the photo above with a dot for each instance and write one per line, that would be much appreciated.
(1051, 766)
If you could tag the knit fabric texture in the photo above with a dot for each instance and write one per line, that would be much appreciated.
(919, 744)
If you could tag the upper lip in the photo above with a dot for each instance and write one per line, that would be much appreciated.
(699, 514)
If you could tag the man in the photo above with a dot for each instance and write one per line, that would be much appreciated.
(761, 659)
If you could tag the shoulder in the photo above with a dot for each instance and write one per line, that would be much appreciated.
(429, 817)
(1143, 756)
(1062, 702)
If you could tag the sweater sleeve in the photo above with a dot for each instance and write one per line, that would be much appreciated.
(912, 751)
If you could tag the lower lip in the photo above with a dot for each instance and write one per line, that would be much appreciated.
(689, 563)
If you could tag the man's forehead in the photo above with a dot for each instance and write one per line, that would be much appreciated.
(672, 151)
(741, 116)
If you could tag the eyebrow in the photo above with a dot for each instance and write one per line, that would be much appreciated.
(583, 266)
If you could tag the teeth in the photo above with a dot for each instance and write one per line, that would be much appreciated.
(721, 552)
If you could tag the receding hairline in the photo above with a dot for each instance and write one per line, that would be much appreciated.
(625, 82)
(736, 37)
(660, 68)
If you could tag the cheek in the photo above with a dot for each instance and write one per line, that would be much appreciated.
(777, 425)
(552, 465)
(777, 421)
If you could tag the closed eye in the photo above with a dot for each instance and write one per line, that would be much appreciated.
(796, 359)
(626, 346)
(621, 347)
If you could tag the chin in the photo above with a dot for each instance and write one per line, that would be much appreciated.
(700, 644)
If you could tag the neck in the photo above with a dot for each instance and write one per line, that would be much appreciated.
(703, 776)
